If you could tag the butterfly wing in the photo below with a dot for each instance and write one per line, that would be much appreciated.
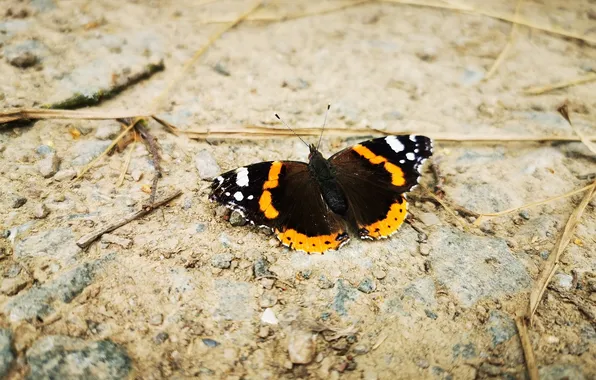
(374, 176)
(284, 197)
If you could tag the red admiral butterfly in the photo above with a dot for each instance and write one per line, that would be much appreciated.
(309, 205)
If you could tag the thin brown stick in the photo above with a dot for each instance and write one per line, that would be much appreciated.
(86, 240)
(127, 161)
(524, 337)
(559, 85)
(178, 76)
(154, 151)
(552, 263)
(37, 114)
(427, 198)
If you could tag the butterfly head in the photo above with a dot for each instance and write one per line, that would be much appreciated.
(313, 152)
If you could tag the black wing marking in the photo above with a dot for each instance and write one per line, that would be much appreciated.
(283, 196)
(374, 175)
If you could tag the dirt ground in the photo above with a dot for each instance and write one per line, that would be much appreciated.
(183, 293)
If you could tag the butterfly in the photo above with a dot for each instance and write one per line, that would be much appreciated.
(311, 206)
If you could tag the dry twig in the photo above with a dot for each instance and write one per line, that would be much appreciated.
(564, 111)
(552, 263)
(38, 114)
(557, 86)
(86, 240)
(522, 330)
(508, 46)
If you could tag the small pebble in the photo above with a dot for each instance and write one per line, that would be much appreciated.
(264, 332)
(65, 174)
(379, 274)
(222, 260)
(206, 165)
(325, 283)
(221, 69)
(267, 300)
(136, 175)
(301, 346)
(23, 59)
(269, 317)
(422, 363)
(563, 281)
(360, 349)
(261, 268)
(160, 338)
(44, 150)
(431, 314)
(524, 214)
(18, 202)
(237, 219)
(59, 197)
(49, 165)
(267, 283)
(210, 342)
(544, 255)
(156, 319)
(425, 249)
(367, 286)
(40, 211)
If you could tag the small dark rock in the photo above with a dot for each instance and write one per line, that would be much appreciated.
(18, 202)
(501, 327)
(524, 214)
(367, 285)
(23, 60)
(221, 69)
(261, 268)
(210, 342)
(161, 337)
(237, 219)
(431, 314)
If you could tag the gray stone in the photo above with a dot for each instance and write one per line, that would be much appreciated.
(156, 319)
(367, 285)
(58, 243)
(206, 165)
(464, 351)
(561, 372)
(261, 268)
(36, 303)
(501, 327)
(237, 219)
(107, 130)
(65, 174)
(6, 353)
(344, 294)
(423, 291)
(563, 281)
(222, 260)
(86, 151)
(44, 150)
(210, 342)
(473, 267)
(160, 338)
(525, 214)
(235, 300)
(24, 54)
(49, 165)
(62, 357)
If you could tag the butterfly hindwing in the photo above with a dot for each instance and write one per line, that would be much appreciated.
(283, 196)
(374, 175)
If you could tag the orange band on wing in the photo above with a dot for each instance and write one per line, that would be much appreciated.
(266, 206)
(273, 178)
(387, 226)
(397, 175)
(311, 244)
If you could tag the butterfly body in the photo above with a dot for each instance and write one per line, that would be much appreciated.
(311, 206)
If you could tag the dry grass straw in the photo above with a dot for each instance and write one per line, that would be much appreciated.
(564, 111)
(37, 114)
(552, 263)
(255, 132)
(127, 161)
(557, 86)
(505, 51)
(524, 336)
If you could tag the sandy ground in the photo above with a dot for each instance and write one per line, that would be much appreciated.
(182, 293)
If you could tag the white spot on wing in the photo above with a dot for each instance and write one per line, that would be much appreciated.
(410, 156)
(238, 196)
(413, 138)
(394, 143)
(250, 197)
(402, 161)
(227, 193)
(242, 177)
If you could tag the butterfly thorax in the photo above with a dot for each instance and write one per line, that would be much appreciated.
(324, 174)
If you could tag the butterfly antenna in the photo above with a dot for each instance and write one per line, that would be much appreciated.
(287, 126)
(323, 128)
